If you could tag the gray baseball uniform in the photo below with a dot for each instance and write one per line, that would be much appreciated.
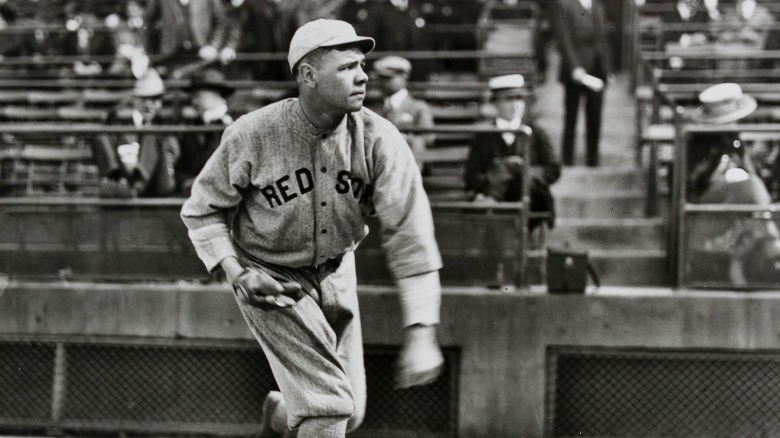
(300, 197)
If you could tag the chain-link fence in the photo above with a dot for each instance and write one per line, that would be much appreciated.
(662, 393)
(215, 387)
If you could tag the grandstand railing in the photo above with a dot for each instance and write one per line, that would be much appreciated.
(143, 239)
(693, 265)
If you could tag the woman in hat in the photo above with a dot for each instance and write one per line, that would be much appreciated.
(720, 171)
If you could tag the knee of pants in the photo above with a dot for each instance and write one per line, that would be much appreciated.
(357, 417)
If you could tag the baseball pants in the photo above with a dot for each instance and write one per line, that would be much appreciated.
(315, 348)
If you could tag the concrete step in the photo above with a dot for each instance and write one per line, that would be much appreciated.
(609, 234)
(578, 179)
(602, 204)
(614, 267)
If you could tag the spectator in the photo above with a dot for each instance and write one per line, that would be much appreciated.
(209, 96)
(139, 165)
(13, 42)
(400, 107)
(494, 167)
(747, 22)
(687, 12)
(721, 172)
(129, 37)
(257, 26)
(581, 32)
(185, 28)
(84, 39)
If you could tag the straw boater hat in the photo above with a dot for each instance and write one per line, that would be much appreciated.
(324, 33)
(723, 103)
(507, 85)
(211, 79)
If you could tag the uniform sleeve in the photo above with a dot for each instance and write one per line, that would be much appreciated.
(215, 193)
(403, 208)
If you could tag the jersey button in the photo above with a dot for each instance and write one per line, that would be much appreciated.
(324, 136)
(324, 231)
(323, 169)
(323, 203)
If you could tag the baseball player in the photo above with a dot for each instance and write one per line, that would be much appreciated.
(298, 178)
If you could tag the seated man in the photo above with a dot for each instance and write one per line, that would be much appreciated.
(721, 172)
(495, 161)
(138, 165)
(403, 110)
(209, 97)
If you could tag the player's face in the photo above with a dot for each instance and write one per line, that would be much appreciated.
(341, 80)
(509, 106)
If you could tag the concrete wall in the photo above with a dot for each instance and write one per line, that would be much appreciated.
(502, 336)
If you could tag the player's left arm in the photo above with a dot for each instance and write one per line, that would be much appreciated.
(413, 256)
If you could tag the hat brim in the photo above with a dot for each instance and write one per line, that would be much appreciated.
(519, 93)
(366, 44)
(219, 87)
(745, 106)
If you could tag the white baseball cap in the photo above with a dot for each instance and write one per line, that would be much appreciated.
(324, 33)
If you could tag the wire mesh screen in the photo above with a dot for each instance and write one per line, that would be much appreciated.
(26, 373)
(146, 383)
(663, 393)
(203, 388)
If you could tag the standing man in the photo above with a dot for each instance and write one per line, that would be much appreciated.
(400, 107)
(183, 28)
(494, 167)
(299, 177)
(581, 30)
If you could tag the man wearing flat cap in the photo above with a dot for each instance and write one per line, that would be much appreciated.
(721, 171)
(494, 167)
(138, 165)
(298, 178)
(209, 91)
(400, 107)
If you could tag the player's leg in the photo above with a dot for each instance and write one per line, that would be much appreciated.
(301, 348)
(340, 303)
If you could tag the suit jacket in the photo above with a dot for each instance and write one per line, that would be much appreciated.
(412, 113)
(196, 149)
(582, 38)
(483, 164)
(206, 20)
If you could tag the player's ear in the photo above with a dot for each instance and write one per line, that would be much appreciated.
(308, 74)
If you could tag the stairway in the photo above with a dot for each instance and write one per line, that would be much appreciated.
(602, 210)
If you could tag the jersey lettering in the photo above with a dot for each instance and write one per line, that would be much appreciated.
(361, 190)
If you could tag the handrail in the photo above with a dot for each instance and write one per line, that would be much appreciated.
(273, 56)
(741, 54)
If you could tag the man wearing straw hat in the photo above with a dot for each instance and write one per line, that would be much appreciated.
(720, 171)
(494, 167)
(299, 177)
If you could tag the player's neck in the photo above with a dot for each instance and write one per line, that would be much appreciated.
(320, 116)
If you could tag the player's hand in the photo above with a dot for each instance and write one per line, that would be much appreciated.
(255, 287)
(208, 53)
(514, 162)
(420, 361)
(227, 55)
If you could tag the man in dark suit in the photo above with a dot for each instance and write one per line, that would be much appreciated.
(209, 97)
(185, 27)
(400, 107)
(581, 32)
(495, 162)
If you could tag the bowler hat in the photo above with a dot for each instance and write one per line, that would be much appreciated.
(723, 103)
(324, 33)
(211, 79)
